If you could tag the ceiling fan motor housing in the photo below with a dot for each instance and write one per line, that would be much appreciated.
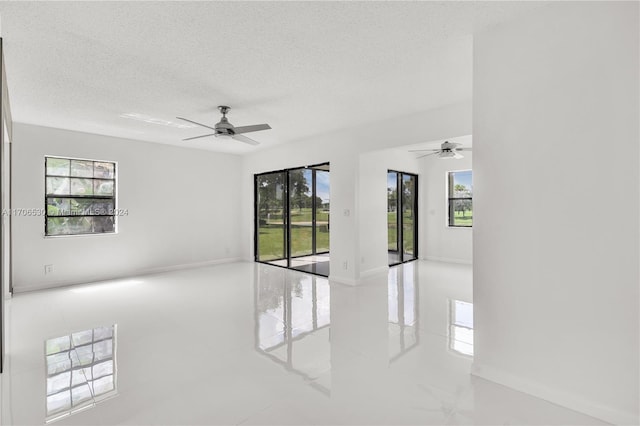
(223, 127)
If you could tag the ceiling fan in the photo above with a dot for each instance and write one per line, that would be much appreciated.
(224, 129)
(447, 151)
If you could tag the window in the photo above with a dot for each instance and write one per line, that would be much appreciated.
(460, 196)
(80, 196)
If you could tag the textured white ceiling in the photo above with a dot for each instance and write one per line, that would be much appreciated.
(306, 68)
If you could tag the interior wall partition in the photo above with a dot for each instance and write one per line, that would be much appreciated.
(6, 124)
(402, 216)
(292, 218)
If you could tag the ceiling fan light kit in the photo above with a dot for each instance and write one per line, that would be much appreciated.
(225, 130)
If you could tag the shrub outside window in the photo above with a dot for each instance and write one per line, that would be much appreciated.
(80, 196)
(460, 199)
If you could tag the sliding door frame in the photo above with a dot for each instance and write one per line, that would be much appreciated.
(286, 219)
(400, 217)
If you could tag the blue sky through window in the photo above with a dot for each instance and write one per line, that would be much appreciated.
(322, 185)
(463, 178)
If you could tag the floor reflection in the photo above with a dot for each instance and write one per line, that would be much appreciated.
(403, 311)
(254, 344)
(461, 327)
(317, 264)
(81, 371)
(292, 318)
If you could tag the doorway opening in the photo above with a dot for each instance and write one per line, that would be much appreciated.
(292, 218)
(402, 217)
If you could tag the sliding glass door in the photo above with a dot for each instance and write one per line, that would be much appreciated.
(301, 211)
(292, 218)
(271, 227)
(321, 196)
(402, 217)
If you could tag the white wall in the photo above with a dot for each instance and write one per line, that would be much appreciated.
(343, 150)
(183, 209)
(439, 241)
(372, 197)
(556, 160)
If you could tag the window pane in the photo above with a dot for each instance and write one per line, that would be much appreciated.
(460, 213)
(58, 206)
(81, 186)
(69, 225)
(104, 170)
(80, 168)
(300, 190)
(57, 186)
(460, 184)
(57, 166)
(104, 224)
(322, 211)
(103, 187)
(392, 213)
(92, 207)
(408, 216)
(271, 229)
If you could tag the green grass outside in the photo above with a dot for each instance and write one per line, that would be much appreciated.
(392, 233)
(271, 239)
(463, 218)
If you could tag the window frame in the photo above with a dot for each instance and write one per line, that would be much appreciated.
(450, 199)
(400, 217)
(100, 197)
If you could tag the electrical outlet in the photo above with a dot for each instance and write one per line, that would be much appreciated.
(345, 265)
(48, 269)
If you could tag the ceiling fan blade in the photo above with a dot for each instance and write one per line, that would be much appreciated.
(463, 149)
(426, 155)
(195, 122)
(245, 139)
(423, 150)
(254, 128)
(198, 137)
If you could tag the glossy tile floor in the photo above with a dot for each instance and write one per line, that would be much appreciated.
(318, 264)
(248, 343)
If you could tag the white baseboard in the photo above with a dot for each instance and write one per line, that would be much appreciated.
(564, 399)
(448, 260)
(119, 276)
(374, 271)
(363, 276)
(343, 280)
